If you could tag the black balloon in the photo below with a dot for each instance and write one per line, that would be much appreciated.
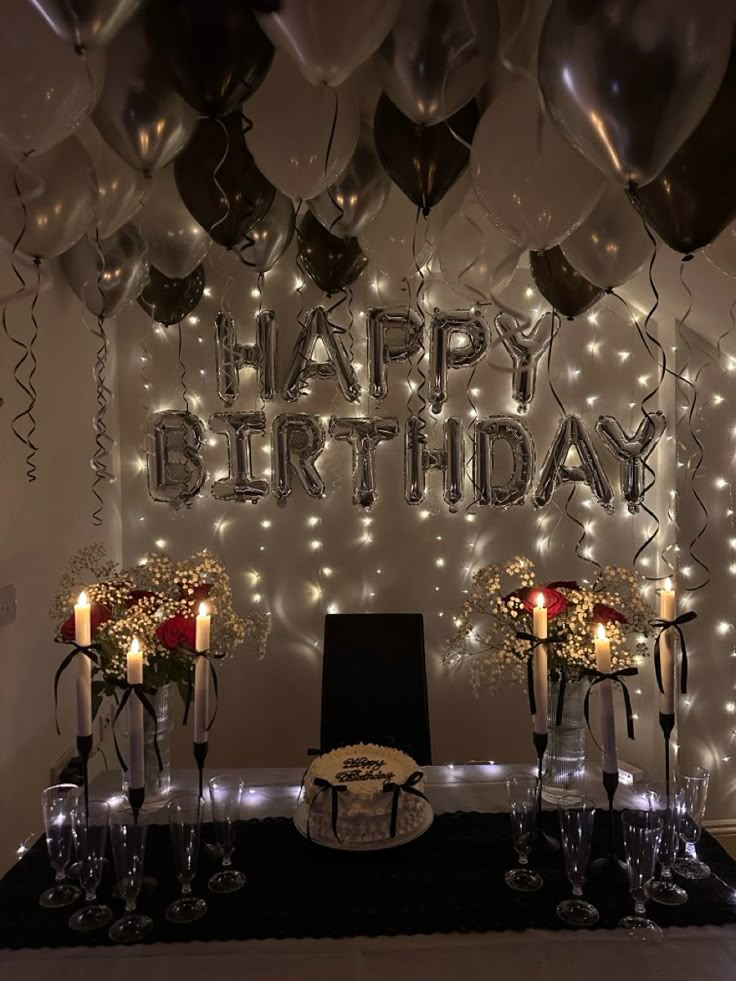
(169, 301)
(424, 161)
(216, 53)
(332, 263)
(694, 198)
(219, 181)
(568, 292)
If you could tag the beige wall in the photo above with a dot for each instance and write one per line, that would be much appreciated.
(41, 524)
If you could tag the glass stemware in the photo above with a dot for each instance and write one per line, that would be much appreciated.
(577, 817)
(522, 796)
(671, 807)
(642, 835)
(90, 825)
(185, 820)
(693, 785)
(225, 795)
(57, 803)
(128, 838)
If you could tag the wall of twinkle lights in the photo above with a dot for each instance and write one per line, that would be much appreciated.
(313, 557)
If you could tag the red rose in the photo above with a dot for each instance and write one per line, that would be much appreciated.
(555, 601)
(177, 632)
(136, 595)
(607, 614)
(99, 614)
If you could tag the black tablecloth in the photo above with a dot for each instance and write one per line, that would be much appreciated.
(449, 880)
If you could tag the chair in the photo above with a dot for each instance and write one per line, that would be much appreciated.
(374, 683)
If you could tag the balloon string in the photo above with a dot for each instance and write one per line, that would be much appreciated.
(99, 458)
(259, 286)
(146, 361)
(422, 386)
(470, 464)
(351, 323)
(330, 141)
(728, 332)
(503, 54)
(585, 555)
(466, 46)
(31, 467)
(183, 367)
(223, 197)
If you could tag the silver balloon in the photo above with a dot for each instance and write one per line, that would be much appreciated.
(143, 119)
(48, 200)
(271, 236)
(120, 189)
(359, 194)
(318, 327)
(231, 356)
(176, 470)
(444, 355)
(627, 81)
(176, 241)
(419, 460)
(240, 484)
(394, 334)
(364, 435)
(487, 432)
(328, 39)
(86, 23)
(525, 348)
(46, 90)
(438, 55)
(573, 434)
(108, 274)
(297, 441)
(632, 452)
(611, 244)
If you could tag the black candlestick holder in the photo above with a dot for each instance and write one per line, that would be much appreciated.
(667, 725)
(136, 798)
(544, 841)
(84, 748)
(610, 868)
(200, 755)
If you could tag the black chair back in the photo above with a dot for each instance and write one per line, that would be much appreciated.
(374, 683)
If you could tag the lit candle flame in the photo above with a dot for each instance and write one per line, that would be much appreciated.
(135, 646)
(83, 601)
(540, 601)
(668, 584)
(602, 632)
(203, 610)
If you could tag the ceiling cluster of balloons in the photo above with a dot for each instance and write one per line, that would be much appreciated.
(140, 135)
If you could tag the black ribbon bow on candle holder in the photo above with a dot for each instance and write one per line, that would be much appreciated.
(336, 789)
(89, 652)
(141, 693)
(534, 642)
(675, 624)
(190, 685)
(618, 678)
(408, 787)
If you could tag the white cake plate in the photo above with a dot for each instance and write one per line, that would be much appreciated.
(300, 823)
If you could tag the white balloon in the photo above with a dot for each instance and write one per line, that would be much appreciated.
(535, 187)
(177, 243)
(722, 252)
(46, 90)
(292, 122)
(121, 190)
(397, 241)
(475, 256)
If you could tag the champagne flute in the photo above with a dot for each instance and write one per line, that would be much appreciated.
(57, 803)
(665, 890)
(694, 787)
(577, 817)
(226, 793)
(128, 837)
(91, 824)
(185, 817)
(522, 796)
(642, 836)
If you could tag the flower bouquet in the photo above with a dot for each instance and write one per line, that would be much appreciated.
(502, 601)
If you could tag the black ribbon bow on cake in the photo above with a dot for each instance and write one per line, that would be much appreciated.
(336, 789)
(397, 789)
(551, 642)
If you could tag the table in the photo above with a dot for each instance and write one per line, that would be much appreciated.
(702, 953)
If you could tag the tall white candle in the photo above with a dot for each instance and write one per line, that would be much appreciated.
(540, 666)
(136, 765)
(608, 722)
(83, 637)
(667, 611)
(202, 677)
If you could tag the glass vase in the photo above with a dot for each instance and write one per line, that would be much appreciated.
(564, 760)
(158, 782)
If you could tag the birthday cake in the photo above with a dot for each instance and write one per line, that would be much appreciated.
(363, 795)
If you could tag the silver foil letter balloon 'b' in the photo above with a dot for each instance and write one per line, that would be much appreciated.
(176, 471)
